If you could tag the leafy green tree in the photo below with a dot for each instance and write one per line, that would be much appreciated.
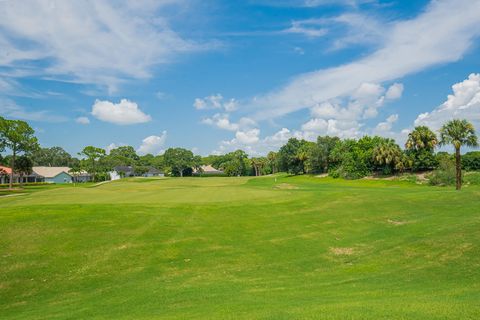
(293, 156)
(180, 160)
(320, 154)
(52, 157)
(471, 161)
(19, 137)
(23, 166)
(258, 165)
(420, 147)
(458, 133)
(354, 159)
(234, 163)
(92, 162)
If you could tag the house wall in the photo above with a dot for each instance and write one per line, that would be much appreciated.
(60, 178)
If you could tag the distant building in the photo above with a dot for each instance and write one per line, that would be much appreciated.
(206, 170)
(5, 174)
(50, 175)
(129, 171)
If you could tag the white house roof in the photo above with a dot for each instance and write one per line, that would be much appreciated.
(50, 172)
(210, 169)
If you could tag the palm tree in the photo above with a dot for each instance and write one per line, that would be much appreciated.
(458, 133)
(420, 145)
(272, 160)
(421, 138)
(389, 155)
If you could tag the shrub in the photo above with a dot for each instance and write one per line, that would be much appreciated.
(471, 161)
(445, 174)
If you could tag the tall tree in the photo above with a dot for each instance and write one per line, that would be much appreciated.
(320, 153)
(19, 137)
(52, 157)
(180, 160)
(420, 145)
(92, 157)
(458, 133)
(273, 161)
(23, 166)
(388, 156)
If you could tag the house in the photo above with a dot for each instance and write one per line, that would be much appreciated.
(124, 171)
(5, 174)
(129, 171)
(51, 175)
(207, 170)
(153, 172)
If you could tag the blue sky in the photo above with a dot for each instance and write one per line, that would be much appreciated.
(215, 75)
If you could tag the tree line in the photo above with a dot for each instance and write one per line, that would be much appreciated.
(340, 158)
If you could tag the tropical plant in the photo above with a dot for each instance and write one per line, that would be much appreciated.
(420, 145)
(388, 156)
(458, 133)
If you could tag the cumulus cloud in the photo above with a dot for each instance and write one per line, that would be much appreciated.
(222, 121)
(82, 120)
(123, 113)
(386, 125)
(98, 42)
(448, 28)
(345, 117)
(153, 144)
(215, 101)
(464, 103)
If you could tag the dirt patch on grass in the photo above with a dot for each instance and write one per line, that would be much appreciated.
(342, 251)
(396, 222)
(286, 186)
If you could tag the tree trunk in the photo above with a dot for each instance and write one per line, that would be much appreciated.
(181, 173)
(458, 167)
(12, 164)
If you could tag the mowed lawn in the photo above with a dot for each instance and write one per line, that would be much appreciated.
(241, 248)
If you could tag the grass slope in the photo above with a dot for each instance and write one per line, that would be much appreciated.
(241, 248)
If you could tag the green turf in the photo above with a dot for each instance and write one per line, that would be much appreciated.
(241, 248)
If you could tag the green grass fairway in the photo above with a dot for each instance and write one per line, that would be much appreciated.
(241, 248)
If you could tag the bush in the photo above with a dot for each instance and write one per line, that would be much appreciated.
(471, 161)
(472, 178)
(445, 175)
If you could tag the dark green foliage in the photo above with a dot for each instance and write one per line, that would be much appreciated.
(233, 164)
(292, 157)
(319, 156)
(354, 159)
(181, 161)
(471, 161)
(52, 157)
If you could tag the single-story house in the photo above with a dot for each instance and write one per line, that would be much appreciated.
(153, 172)
(129, 171)
(5, 174)
(51, 175)
(207, 169)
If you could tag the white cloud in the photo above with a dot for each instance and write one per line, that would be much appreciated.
(345, 117)
(99, 42)
(10, 109)
(464, 103)
(386, 126)
(123, 113)
(222, 121)
(394, 92)
(82, 120)
(153, 144)
(447, 30)
(310, 28)
(215, 101)
(247, 137)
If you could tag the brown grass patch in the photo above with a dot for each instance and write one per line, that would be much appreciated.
(342, 251)
(286, 186)
(396, 222)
